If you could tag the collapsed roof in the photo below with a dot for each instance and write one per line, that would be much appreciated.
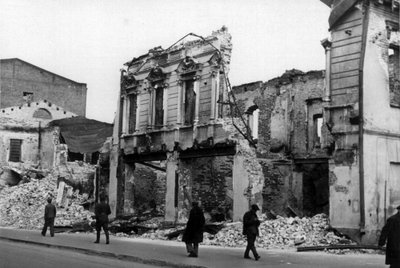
(83, 135)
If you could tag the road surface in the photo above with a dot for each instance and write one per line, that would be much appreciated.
(20, 255)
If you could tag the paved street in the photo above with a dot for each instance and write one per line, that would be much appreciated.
(170, 253)
(19, 255)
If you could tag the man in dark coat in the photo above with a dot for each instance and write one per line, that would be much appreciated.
(391, 233)
(49, 216)
(250, 229)
(193, 234)
(102, 210)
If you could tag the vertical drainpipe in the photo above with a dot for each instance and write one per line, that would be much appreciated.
(365, 10)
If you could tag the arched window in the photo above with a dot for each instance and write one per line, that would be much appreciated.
(42, 113)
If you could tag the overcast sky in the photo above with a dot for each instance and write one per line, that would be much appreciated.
(89, 40)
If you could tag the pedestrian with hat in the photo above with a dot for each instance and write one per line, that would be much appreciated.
(193, 233)
(250, 229)
(391, 235)
(49, 216)
(102, 210)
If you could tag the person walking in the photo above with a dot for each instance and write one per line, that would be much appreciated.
(102, 210)
(193, 233)
(49, 216)
(391, 234)
(250, 229)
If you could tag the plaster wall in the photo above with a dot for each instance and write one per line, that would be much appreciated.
(241, 202)
(170, 209)
(376, 79)
(29, 147)
(344, 198)
(382, 182)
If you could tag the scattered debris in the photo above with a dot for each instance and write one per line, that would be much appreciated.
(277, 233)
(22, 206)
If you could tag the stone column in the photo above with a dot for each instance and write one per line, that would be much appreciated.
(240, 188)
(327, 90)
(170, 204)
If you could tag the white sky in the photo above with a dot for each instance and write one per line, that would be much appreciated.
(89, 40)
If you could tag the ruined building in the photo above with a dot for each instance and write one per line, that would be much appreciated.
(362, 114)
(286, 115)
(22, 82)
(173, 116)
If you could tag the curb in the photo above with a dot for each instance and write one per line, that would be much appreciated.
(107, 254)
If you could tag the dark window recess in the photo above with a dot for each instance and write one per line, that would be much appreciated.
(132, 112)
(74, 156)
(159, 109)
(190, 102)
(27, 96)
(15, 150)
(394, 76)
(94, 158)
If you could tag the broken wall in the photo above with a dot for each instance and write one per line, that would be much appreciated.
(382, 129)
(287, 107)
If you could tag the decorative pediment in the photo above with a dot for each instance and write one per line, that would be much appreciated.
(156, 74)
(128, 81)
(188, 65)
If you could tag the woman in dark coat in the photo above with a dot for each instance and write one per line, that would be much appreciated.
(391, 233)
(193, 234)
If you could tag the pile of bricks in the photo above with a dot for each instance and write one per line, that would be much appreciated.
(22, 206)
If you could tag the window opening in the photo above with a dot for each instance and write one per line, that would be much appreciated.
(394, 76)
(317, 129)
(15, 150)
(159, 107)
(132, 112)
(190, 102)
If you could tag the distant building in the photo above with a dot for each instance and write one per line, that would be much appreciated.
(362, 114)
(22, 82)
(25, 138)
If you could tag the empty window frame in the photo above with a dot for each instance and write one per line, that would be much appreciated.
(189, 102)
(15, 150)
(132, 112)
(318, 120)
(394, 76)
(158, 107)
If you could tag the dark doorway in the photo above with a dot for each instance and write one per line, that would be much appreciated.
(315, 188)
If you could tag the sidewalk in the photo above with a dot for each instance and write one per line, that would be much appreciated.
(173, 254)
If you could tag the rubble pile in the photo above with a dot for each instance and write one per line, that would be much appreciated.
(281, 233)
(22, 206)
(278, 233)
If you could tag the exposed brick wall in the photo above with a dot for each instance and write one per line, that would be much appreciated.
(211, 182)
(18, 77)
(288, 105)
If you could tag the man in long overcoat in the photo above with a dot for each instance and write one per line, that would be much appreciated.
(49, 216)
(391, 233)
(102, 210)
(193, 234)
(250, 229)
